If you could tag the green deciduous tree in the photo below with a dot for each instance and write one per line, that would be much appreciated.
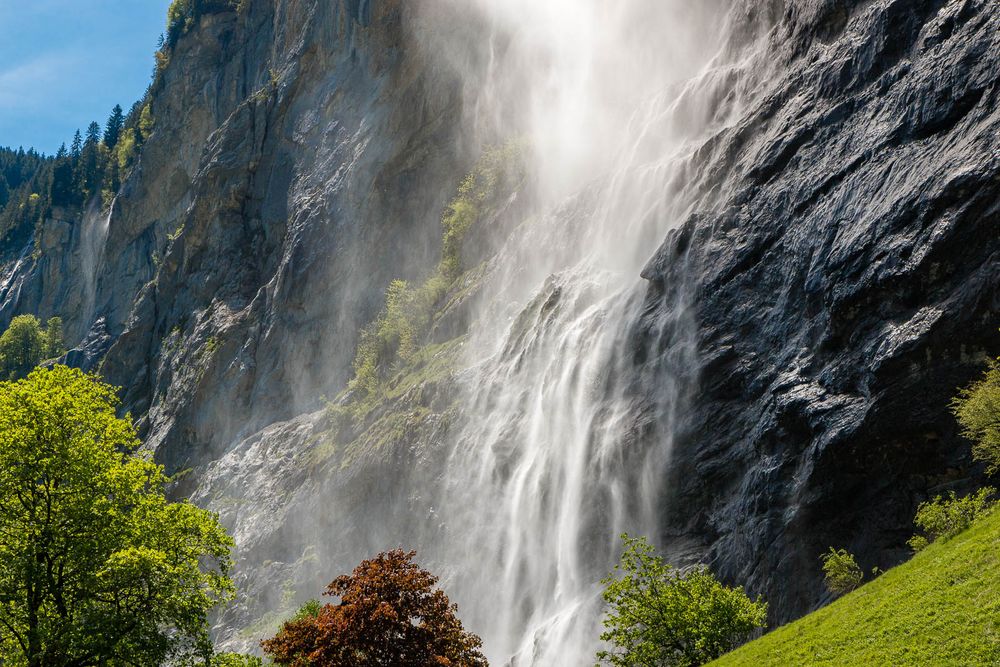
(97, 568)
(25, 344)
(22, 347)
(841, 573)
(977, 408)
(660, 616)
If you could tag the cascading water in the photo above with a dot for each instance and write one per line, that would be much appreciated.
(568, 404)
(568, 417)
(93, 238)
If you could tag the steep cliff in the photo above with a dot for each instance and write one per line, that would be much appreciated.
(826, 174)
(845, 285)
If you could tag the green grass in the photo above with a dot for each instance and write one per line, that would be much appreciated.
(940, 608)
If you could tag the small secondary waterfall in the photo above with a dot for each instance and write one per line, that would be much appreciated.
(93, 238)
(568, 416)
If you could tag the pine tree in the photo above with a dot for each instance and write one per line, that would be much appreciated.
(76, 146)
(113, 129)
(90, 168)
(93, 133)
(62, 181)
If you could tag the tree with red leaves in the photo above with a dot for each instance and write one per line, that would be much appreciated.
(390, 615)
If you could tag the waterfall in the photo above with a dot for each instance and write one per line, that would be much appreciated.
(93, 238)
(569, 401)
(568, 415)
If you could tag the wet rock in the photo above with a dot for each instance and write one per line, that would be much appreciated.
(844, 286)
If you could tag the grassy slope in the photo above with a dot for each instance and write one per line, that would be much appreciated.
(940, 608)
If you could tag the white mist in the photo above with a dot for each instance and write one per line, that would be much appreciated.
(565, 436)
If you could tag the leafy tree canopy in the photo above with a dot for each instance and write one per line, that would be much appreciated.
(390, 614)
(841, 573)
(25, 344)
(978, 411)
(660, 616)
(96, 566)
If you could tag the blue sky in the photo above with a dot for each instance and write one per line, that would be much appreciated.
(64, 63)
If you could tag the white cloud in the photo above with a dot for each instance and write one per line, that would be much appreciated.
(28, 84)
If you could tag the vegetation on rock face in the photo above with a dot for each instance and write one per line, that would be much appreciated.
(841, 572)
(662, 616)
(394, 337)
(25, 344)
(96, 565)
(390, 613)
(32, 185)
(394, 355)
(182, 15)
(235, 660)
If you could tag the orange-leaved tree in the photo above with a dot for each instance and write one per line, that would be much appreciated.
(390, 615)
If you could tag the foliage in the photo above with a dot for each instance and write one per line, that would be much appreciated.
(841, 572)
(96, 566)
(940, 608)
(54, 345)
(32, 185)
(393, 338)
(24, 345)
(146, 120)
(390, 614)
(113, 128)
(23, 174)
(945, 517)
(236, 660)
(661, 616)
(182, 15)
(977, 408)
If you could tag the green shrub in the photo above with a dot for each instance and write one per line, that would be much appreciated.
(401, 327)
(25, 344)
(945, 517)
(310, 609)
(977, 408)
(126, 149)
(236, 660)
(183, 14)
(661, 616)
(841, 572)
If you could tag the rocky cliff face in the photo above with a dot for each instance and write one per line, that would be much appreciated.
(287, 180)
(836, 263)
(844, 286)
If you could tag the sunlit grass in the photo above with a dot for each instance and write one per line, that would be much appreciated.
(940, 608)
